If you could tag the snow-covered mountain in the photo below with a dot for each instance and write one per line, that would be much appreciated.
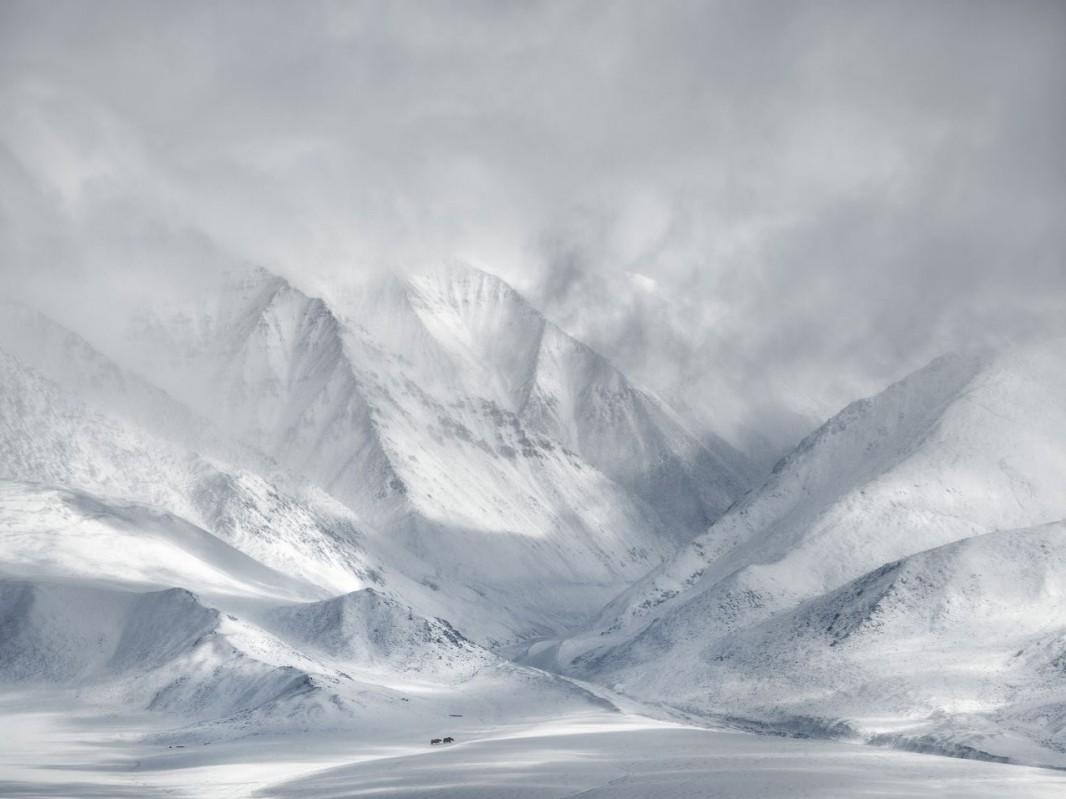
(262, 515)
(957, 649)
(967, 446)
(124, 608)
(267, 511)
(59, 534)
(216, 676)
(457, 354)
(50, 437)
(163, 650)
(62, 356)
(503, 458)
(558, 387)
(371, 631)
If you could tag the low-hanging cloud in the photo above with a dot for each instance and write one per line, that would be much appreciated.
(759, 209)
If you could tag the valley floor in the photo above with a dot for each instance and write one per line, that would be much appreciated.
(57, 753)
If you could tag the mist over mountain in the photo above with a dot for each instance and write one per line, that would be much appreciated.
(537, 400)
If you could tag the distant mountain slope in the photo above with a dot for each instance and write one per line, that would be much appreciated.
(962, 447)
(757, 617)
(371, 631)
(558, 386)
(958, 649)
(58, 534)
(50, 437)
(67, 359)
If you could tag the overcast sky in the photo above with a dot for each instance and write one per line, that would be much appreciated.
(757, 208)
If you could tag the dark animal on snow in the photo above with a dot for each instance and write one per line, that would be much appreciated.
(434, 740)
(449, 740)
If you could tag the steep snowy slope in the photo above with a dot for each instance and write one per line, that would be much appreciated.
(61, 534)
(958, 649)
(67, 359)
(965, 446)
(369, 631)
(48, 436)
(266, 364)
(51, 437)
(457, 353)
(516, 585)
(559, 387)
(449, 414)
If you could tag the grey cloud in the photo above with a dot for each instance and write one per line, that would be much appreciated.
(759, 209)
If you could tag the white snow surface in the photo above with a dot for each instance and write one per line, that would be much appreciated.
(77, 754)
